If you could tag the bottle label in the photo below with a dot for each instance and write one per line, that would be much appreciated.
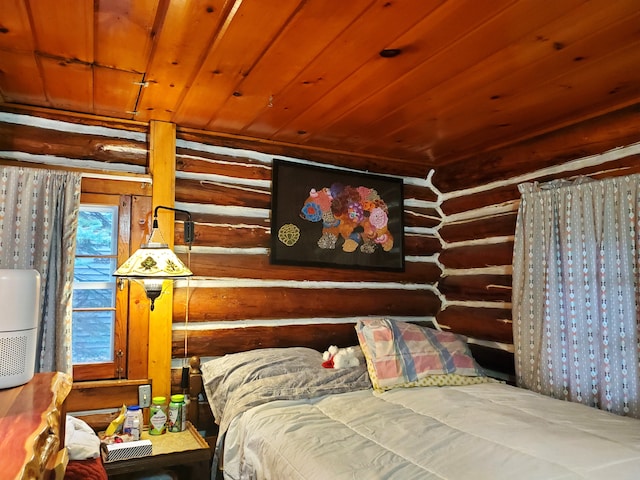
(175, 417)
(184, 417)
(135, 429)
(158, 421)
(128, 421)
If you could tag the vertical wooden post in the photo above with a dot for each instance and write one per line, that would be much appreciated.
(138, 355)
(162, 167)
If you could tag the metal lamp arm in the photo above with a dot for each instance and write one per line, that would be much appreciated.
(189, 230)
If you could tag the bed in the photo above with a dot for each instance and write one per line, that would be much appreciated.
(417, 407)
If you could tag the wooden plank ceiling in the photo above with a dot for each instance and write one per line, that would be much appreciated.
(416, 83)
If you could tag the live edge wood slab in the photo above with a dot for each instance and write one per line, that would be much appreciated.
(32, 421)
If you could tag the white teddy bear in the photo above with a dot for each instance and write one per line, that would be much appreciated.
(336, 357)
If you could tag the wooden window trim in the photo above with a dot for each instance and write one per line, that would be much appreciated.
(110, 370)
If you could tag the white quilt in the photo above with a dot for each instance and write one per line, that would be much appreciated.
(487, 431)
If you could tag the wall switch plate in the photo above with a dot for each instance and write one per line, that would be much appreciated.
(144, 396)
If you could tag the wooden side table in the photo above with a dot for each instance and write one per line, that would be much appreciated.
(32, 421)
(186, 449)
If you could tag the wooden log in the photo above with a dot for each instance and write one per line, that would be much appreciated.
(250, 235)
(421, 217)
(43, 141)
(421, 245)
(491, 324)
(247, 168)
(476, 256)
(419, 193)
(339, 158)
(255, 232)
(503, 224)
(206, 192)
(218, 342)
(77, 118)
(472, 201)
(218, 194)
(576, 141)
(476, 287)
(625, 166)
(211, 304)
(217, 164)
(230, 235)
(509, 193)
(216, 218)
(258, 267)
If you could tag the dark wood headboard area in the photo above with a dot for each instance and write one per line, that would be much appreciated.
(317, 336)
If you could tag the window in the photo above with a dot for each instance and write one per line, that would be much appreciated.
(99, 327)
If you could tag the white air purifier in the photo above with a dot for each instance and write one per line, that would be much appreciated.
(19, 312)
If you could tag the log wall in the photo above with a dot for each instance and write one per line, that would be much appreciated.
(479, 204)
(459, 227)
(237, 300)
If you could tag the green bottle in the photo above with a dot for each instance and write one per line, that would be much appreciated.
(158, 416)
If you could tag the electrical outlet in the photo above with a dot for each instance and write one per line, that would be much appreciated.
(144, 396)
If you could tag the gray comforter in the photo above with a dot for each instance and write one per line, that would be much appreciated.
(236, 382)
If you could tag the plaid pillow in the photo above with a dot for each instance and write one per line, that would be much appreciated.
(404, 354)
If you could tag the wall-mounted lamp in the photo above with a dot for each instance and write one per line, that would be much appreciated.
(154, 262)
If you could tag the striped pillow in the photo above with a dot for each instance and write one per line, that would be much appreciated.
(401, 354)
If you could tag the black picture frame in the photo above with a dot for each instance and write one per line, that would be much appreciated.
(313, 207)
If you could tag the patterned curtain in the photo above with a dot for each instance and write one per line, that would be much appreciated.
(576, 292)
(38, 222)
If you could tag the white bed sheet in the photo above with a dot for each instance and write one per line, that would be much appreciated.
(487, 431)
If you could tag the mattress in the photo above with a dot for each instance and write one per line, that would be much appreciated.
(487, 431)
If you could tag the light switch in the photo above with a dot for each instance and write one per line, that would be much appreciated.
(144, 396)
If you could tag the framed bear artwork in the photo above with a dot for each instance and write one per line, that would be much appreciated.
(326, 217)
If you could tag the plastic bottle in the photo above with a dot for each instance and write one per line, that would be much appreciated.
(134, 413)
(158, 416)
(176, 413)
(135, 428)
(185, 410)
